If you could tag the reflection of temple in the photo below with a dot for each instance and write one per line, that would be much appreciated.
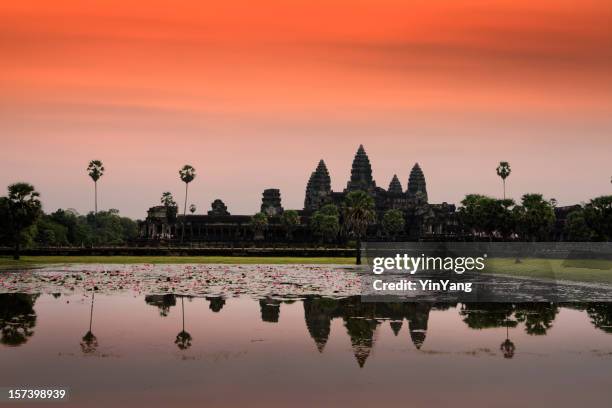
(361, 321)
(216, 303)
(422, 219)
(318, 313)
(270, 310)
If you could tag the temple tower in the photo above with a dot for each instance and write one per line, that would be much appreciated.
(395, 187)
(271, 202)
(417, 188)
(218, 207)
(318, 189)
(361, 173)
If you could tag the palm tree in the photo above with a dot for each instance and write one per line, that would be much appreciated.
(187, 174)
(358, 214)
(167, 200)
(95, 171)
(503, 171)
(19, 211)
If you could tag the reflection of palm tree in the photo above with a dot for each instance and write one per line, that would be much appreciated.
(183, 339)
(507, 346)
(89, 342)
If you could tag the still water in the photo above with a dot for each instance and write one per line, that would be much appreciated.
(121, 348)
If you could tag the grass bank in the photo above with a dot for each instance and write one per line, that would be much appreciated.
(580, 270)
(31, 261)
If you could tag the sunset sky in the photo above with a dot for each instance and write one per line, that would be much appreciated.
(254, 93)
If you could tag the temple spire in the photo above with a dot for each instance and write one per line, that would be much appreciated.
(361, 173)
(417, 188)
(395, 187)
(318, 188)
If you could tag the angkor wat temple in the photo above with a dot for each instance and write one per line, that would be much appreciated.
(423, 220)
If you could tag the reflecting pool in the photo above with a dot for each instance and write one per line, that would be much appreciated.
(117, 347)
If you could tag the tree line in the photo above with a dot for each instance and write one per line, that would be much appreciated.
(23, 223)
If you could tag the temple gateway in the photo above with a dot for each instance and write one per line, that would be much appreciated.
(424, 221)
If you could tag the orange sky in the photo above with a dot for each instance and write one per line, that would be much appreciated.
(253, 94)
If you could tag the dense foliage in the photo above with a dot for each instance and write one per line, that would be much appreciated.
(534, 219)
(484, 216)
(69, 228)
(325, 223)
(19, 212)
(393, 223)
(592, 221)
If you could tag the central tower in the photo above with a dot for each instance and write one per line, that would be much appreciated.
(361, 173)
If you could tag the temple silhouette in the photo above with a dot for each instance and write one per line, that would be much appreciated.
(423, 219)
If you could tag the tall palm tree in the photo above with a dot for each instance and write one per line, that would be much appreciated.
(503, 171)
(359, 212)
(187, 174)
(95, 171)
